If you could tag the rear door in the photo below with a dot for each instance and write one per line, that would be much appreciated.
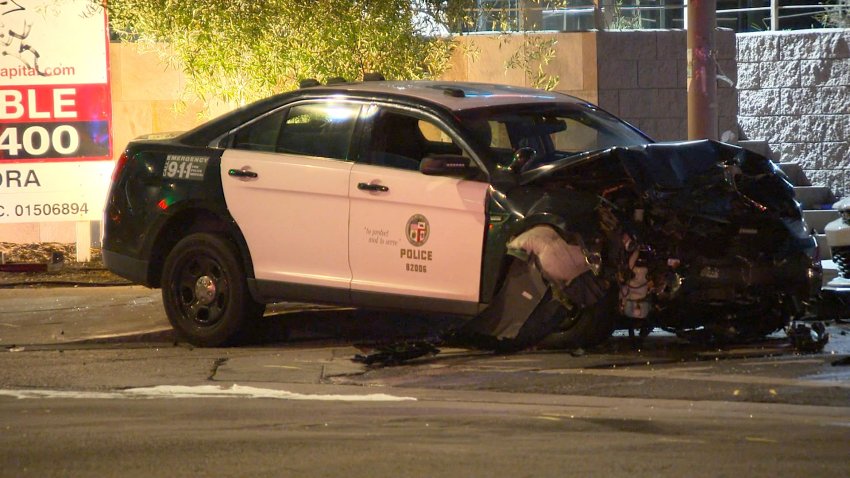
(411, 235)
(286, 183)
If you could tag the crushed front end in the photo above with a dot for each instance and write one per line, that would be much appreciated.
(749, 277)
(695, 236)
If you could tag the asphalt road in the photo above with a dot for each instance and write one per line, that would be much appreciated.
(449, 434)
(93, 384)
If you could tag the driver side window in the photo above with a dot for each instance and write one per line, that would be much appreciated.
(401, 140)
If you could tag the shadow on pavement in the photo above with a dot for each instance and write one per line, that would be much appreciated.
(300, 325)
(346, 325)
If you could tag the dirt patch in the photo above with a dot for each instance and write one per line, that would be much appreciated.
(69, 273)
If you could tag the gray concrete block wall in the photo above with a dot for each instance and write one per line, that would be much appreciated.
(643, 79)
(794, 92)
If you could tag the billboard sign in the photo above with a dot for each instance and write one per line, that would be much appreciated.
(55, 111)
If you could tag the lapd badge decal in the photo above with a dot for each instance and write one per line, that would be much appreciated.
(417, 230)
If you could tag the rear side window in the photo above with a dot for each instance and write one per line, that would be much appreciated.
(319, 129)
(261, 135)
(314, 129)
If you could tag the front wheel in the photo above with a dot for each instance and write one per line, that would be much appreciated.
(585, 327)
(204, 291)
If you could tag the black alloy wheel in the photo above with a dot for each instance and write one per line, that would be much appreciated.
(204, 291)
(585, 327)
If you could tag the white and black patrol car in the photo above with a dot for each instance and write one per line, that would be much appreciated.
(535, 214)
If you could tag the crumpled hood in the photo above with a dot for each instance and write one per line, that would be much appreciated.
(669, 165)
(704, 177)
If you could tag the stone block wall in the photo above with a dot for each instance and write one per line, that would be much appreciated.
(640, 76)
(794, 93)
(643, 79)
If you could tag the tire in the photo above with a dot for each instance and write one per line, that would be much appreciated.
(205, 293)
(751, 324)
(585, 328)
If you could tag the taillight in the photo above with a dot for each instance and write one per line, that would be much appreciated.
(119, 165)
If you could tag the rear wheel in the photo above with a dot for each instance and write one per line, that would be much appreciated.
(204, 291)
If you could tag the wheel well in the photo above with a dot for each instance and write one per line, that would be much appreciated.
(179, 226)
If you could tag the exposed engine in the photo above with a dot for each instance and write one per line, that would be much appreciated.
(726, 243)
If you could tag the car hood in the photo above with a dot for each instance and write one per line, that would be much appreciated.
(672, 165)
(704, 177)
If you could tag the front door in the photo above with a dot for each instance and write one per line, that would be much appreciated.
(413, 235)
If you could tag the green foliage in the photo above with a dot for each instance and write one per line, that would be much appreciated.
(623, 20)
(534, 52)
(836, 14)
(237, 51)
(531, 57)
(241, 50)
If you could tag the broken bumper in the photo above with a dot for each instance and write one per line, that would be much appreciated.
(733, 281)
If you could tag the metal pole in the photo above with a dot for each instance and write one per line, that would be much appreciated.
(702, 73)
(774, 15)
(598, 19)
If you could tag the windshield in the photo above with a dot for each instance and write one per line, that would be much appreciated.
(553, 132)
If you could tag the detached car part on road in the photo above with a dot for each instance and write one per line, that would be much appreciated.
(537, 215)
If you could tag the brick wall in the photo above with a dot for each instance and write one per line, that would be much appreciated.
(794, 93)
(642, 78)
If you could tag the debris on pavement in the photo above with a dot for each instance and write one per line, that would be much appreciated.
(840, 362)
(397, 353)
(808, 338)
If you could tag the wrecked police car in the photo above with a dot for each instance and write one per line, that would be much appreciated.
(536, 215)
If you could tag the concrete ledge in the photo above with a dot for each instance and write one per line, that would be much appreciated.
(817, 219)
(795, 173)
(814, 197)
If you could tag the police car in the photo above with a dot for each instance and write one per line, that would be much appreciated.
(533, 213)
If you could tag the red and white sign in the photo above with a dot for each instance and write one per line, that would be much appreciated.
(55, 111)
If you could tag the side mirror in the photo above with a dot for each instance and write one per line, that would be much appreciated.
(445, 165)
(521, 158)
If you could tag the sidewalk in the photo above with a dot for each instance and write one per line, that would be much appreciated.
(50, 316)
(60, 315)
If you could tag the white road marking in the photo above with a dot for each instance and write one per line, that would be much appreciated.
(201, 391)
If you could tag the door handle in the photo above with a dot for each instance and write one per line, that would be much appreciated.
(372, 187)
(241, 173)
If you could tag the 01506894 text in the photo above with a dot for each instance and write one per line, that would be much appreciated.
(44, 209)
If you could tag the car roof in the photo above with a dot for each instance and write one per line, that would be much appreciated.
(452, 95)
